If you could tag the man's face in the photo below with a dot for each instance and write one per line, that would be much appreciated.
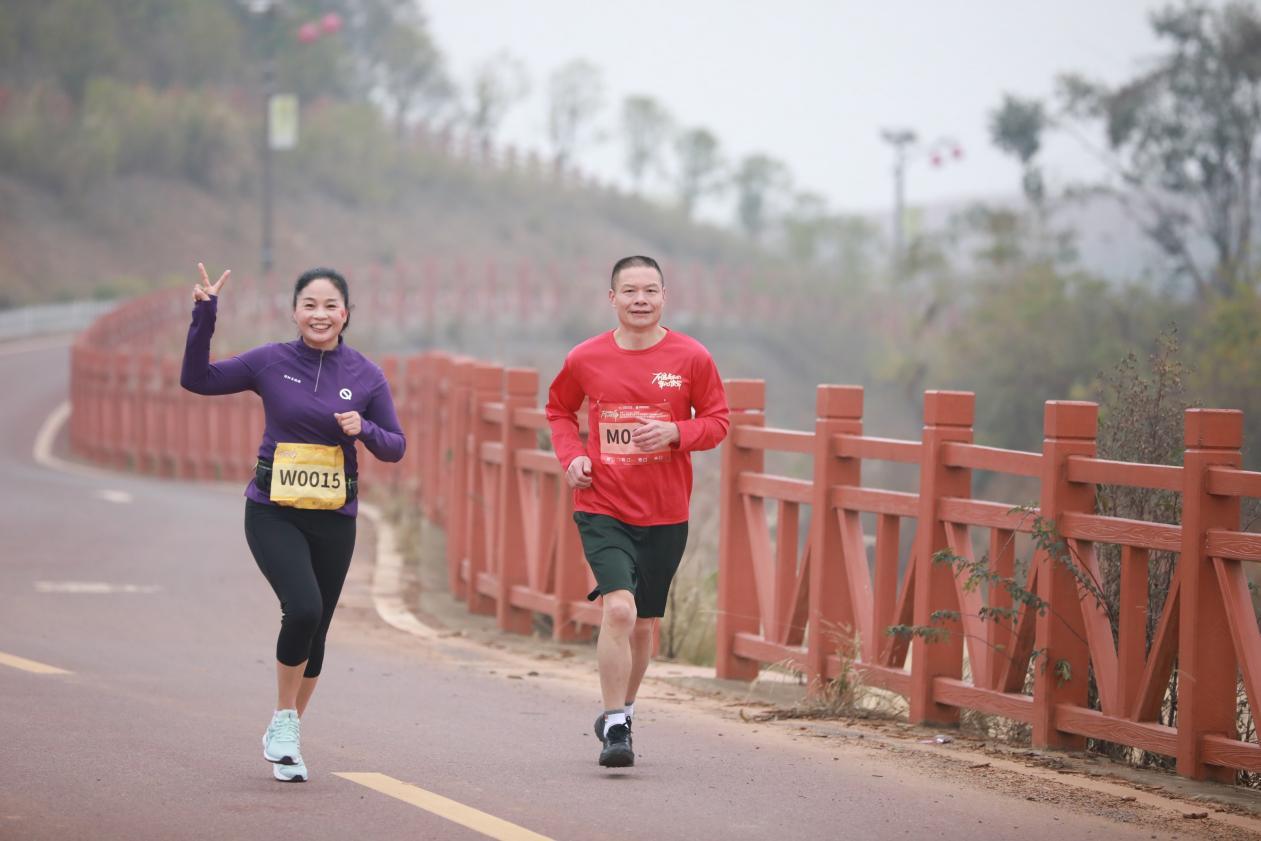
(639, 296)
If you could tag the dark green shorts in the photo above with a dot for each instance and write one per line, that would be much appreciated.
(642, 559)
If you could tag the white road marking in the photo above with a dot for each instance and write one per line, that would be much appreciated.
(43, 450)
(444, 807)
(33, 666)
(96, 588)
(111, 495)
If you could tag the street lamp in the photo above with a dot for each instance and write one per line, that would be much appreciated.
(266, 9)
(274, 104)
(903, 141)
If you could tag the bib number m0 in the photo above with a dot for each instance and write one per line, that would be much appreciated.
(616, 423)
(311, 476)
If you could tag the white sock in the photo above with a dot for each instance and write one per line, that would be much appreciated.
(611, 718)
(630, 710)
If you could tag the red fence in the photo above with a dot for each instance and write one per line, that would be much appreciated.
(795, 576)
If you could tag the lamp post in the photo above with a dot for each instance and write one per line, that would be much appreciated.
(269, 90)
(329, 24)
(266, 11)
(903, 141)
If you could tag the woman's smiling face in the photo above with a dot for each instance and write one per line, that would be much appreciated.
(320, 314)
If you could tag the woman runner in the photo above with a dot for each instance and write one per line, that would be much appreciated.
(320, 396)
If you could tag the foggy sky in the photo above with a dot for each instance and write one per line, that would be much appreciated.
(812, 82)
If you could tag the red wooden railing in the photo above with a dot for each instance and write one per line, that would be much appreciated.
(797, 586)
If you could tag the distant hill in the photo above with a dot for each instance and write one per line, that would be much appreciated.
(130, 233)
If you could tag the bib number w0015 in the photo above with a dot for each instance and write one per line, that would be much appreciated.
(617, 421)
(308, 476)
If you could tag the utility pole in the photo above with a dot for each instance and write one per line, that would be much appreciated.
(901, 140)
(269, 90)
(906, 149)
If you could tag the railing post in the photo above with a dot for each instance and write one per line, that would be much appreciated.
(1069, 429)
(839, 409)
(428, 442)
(458, 401)
(947, 418)
(444, 372)
(521, 386)
(487, 388)
(1206, 660)
(571, 569)
(411, 415)
(737, 587)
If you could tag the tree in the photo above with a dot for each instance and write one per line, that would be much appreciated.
(397, 60)
(806, 225)
(760, 181)
(575, 96)
(1016, 127)
(412, 76)
(499, 83)
(1182, 139)
(646, 125)
(72, 41)
(698, 167)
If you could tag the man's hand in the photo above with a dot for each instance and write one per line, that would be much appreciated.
(204, 290)
(579, 473)
(653, 435)
(349, 422)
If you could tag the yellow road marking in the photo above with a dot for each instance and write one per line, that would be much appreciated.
(465, 816)
(29, 665)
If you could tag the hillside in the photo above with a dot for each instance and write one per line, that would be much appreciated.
(134, 232)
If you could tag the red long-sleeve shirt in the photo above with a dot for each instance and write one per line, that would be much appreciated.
(674, 380)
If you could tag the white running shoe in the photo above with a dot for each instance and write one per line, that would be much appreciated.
(290, 773)
(281, 740)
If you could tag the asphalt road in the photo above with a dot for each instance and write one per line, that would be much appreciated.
(143, 593)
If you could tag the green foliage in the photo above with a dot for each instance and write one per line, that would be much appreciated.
(646, 126)
(1016, 127)
(1183, 137)
(348, 153)
(698, 168)
(759, 181)
(1226, 342)
(575, 94)
(44, 139)
(167, 43)
(190, 135)
(498, 83)
(1031, 335)
(979, 575)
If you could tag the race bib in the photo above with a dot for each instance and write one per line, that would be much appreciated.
(308, 476)
(616, 423)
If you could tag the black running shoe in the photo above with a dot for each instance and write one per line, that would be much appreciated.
(599, 729)
(617, 751)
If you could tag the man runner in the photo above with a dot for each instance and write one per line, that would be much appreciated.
(654, 396)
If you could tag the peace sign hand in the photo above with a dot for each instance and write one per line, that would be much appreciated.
(204, 290)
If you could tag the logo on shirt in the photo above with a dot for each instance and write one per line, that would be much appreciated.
(293, 379)
(345, 394)
(664, 380)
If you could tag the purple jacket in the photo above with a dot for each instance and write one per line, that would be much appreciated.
(301, 388)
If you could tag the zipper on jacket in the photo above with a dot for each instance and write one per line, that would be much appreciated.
(317, 373)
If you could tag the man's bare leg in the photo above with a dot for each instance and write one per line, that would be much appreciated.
(613, 648)
(641, 653)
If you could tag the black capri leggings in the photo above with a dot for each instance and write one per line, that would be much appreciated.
(304, 555)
